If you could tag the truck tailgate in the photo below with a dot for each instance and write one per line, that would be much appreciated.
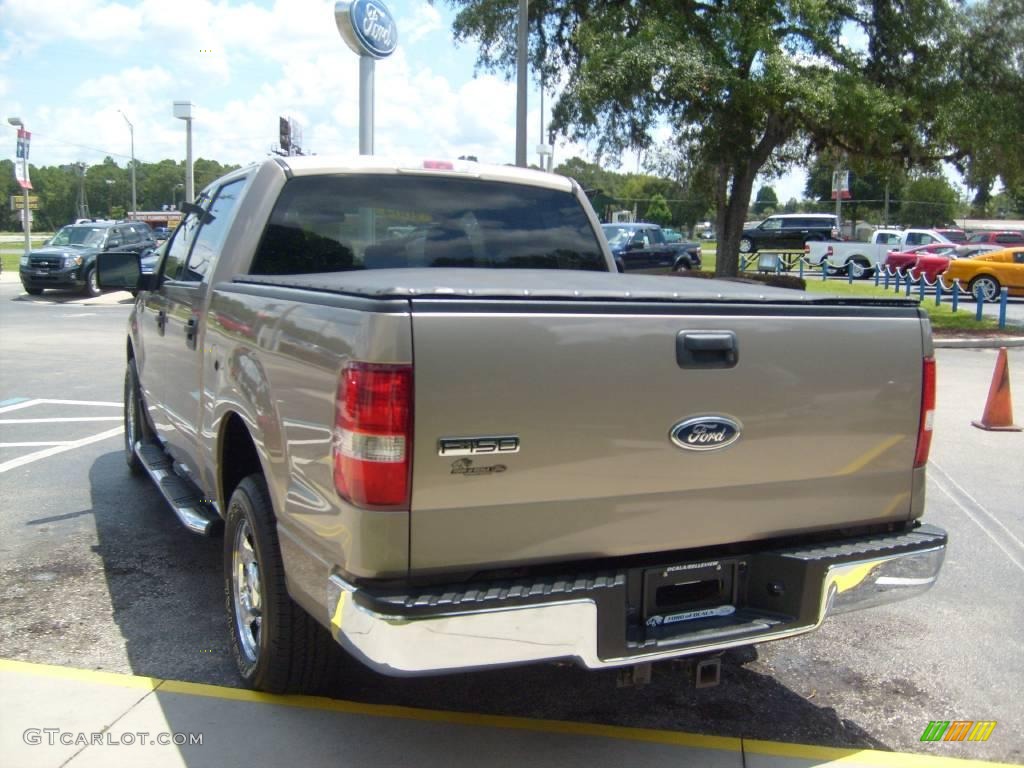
(826, 398)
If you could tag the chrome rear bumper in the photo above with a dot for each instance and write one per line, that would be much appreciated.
(426, 635)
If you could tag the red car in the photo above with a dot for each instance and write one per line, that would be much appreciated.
(1005, 237)
(901, 261)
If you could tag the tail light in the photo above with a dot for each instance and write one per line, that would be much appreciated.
(373, 434)
(924, 429)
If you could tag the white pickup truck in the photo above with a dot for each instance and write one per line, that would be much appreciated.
(864, 258)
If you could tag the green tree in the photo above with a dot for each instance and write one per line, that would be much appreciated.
(767, 201)
(658, 212)
(745, 86)
(929, 201)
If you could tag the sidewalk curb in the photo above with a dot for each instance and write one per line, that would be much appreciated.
(989, 342)
(770, 749)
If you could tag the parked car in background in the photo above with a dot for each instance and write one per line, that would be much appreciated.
(953, 234)
(902, 260)
(989, 273)
(161, 233)
(789, 231)
(644, 248)
(862, 259)
(1003, 237)
(68, 260)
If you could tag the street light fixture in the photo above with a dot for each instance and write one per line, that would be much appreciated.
(131, 131)
(174, 195)
(27, 215)
(183, 111)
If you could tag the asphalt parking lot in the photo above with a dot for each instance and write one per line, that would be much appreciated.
(96, 573)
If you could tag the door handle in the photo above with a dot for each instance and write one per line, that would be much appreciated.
(707, 349)
(190, 332)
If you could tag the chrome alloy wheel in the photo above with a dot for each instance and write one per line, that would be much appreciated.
(248, 596)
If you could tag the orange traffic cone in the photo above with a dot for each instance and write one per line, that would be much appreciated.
(998, 414)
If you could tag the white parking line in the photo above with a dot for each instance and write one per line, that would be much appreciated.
(37, 455)
(61, 420)
(998, 542)
(48, 401)
(34, 445)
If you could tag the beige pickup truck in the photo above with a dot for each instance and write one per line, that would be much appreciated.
(438, 428)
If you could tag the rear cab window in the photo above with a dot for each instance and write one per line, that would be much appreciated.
(385, 221)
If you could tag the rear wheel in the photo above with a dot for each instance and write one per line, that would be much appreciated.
(860, 268)
(277, 646)
(681, 264)
(988, 286)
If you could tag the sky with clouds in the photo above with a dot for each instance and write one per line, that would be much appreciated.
(68, 66)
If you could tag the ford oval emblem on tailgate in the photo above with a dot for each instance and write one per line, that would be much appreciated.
(706, 433)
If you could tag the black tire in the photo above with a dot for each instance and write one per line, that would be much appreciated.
(92, 285)
(681, 264)
(746, 245)
(278, 647)
(989, 285)
(33, 291)
(136, 428)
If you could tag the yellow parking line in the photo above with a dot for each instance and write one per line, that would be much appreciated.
(830, 755)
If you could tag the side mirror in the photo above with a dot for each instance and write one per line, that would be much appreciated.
(120, 271)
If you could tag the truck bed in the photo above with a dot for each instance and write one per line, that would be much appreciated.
(583, 370)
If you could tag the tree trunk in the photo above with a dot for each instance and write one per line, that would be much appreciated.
(731, 215)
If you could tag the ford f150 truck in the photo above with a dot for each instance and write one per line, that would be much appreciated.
(437, 427)
(861, 258)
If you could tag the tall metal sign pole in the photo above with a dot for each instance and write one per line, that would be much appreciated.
(21, 175)
(183, 111)
(368, 28)
(131, 131)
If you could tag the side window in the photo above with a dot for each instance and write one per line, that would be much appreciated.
(129, 236)
(913, 238)
(211, 235)
(1008, 239)
(1018, 257)
(772, 225)
(177, 251)
(657, 236)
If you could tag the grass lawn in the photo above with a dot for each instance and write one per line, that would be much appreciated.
(943, 318)
(10, 252)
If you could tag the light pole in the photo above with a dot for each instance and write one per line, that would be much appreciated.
(174, 195)
(131, 131)
(26, 221)
(183, 111)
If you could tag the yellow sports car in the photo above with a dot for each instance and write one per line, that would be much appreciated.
(989, 273)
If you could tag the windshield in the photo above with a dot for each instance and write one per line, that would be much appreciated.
(617, 235)
(340, 223)
(91, 237)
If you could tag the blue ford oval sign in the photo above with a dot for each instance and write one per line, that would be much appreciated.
(705, 433)
(367, 27)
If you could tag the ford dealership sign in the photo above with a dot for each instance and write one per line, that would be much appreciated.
(367, 27)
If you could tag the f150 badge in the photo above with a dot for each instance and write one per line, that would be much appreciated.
(705, 433)
(478, 446)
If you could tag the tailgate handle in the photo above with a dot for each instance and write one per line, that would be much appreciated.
(707, 349)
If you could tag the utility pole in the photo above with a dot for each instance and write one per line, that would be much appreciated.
(131, 131)
(521, 51)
